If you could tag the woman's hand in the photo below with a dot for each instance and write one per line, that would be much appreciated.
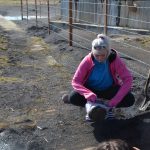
(102, 101)
(112, 103)
(92, 100)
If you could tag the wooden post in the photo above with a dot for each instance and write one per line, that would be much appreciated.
(48, 17)
(70, 22)
(105, 17)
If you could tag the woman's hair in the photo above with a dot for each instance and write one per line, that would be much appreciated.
(105, 38)
(115, 144)
(101, 41)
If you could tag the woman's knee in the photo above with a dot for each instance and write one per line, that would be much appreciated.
(130, 99)
(127, 101)
(76, 99)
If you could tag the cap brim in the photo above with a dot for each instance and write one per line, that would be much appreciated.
(98, 52)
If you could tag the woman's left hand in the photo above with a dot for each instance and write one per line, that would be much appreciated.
(112, 103)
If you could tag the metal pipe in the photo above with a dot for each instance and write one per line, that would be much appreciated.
(21, 3)
(105, 17)
(70, 22)
(48, 16)
(76, 9)
(40, 9)
(36, 11)
(27, 9)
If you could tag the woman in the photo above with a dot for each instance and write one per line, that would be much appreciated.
(101, 75)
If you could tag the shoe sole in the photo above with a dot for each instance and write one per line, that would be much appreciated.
(97, 114)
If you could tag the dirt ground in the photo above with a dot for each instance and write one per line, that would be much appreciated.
(35, 71)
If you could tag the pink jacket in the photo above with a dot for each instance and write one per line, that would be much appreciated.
(118, 69)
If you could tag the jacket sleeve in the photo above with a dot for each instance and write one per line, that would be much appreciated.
(80, 78)
(125, 75)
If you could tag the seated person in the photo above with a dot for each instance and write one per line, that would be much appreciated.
(102, 74)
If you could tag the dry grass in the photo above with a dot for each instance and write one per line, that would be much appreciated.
(3, 61)
(9, 79)
(144, 41)
(9, 2)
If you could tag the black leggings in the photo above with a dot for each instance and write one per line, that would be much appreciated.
(79, 100)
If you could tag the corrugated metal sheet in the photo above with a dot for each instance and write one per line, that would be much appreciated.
(119, 14)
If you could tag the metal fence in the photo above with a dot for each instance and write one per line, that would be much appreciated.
(76, 17)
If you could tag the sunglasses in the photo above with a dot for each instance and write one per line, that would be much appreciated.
(99, 47)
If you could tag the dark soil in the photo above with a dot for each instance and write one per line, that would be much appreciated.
(35, 71)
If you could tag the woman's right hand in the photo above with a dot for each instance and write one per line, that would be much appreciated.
(93, 101)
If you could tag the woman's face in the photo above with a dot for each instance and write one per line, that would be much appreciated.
(100, 57)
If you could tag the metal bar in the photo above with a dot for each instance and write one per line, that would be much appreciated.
(76, 8)
(40, 9)
(105, 17)
(27, 9)
(36, 11)
(55, 6)
(99, 18)
(21, 9)
(48, 16)
(70, 22)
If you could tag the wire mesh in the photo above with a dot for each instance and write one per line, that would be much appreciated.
(90, 16)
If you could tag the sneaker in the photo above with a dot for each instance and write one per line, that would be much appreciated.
(97, 114)
(87, 118)
(110, 115)
(65, 98)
